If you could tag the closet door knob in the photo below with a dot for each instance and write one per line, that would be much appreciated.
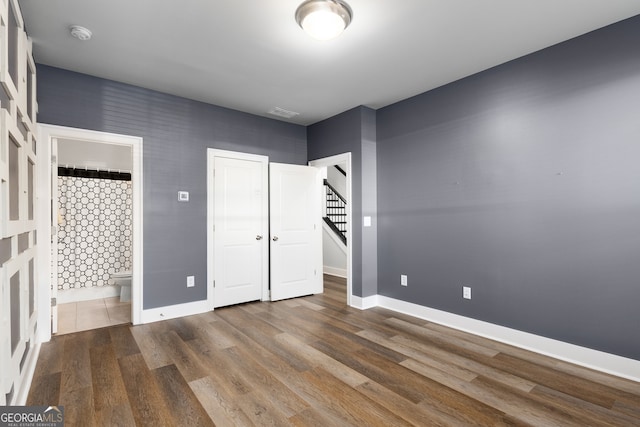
(275, 238)
(258, 237)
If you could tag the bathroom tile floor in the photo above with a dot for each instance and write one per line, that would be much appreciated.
(92, 314)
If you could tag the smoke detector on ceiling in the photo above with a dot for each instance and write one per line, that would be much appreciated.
(79, 32)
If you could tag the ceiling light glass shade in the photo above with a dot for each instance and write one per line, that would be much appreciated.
(324, 19)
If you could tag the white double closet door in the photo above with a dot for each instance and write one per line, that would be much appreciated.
(266, 229)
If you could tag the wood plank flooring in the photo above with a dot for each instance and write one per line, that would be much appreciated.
(313, 361)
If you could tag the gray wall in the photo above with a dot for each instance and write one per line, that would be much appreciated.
(522, 182)
(176, 134)
(354, 131)
(369, 203)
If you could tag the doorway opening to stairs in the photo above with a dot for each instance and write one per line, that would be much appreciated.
(337, 217)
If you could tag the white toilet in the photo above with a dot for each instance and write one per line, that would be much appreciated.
(123, 279)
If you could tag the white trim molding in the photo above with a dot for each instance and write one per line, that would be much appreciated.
(364, 303)
(49, 133)
(589, 358)
(87, 294)
(22, 393)
(333, 271)
(174, 311)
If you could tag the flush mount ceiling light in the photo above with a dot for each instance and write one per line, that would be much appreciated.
(81, 33)
(324, 19)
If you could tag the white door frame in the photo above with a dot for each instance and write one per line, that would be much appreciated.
(46, 134)
(330, 161)
(212, 153)
(53, 235)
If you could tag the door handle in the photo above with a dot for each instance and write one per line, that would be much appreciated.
(258, 237)
(275, 238)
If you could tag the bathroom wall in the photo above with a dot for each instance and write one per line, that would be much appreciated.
(94, 155)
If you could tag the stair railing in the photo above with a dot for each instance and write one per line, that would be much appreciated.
(336, 212)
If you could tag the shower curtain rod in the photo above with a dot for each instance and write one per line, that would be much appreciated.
(85, 172)
(66, 166)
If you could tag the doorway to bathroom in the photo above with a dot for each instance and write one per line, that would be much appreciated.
(94, 234)
(94, 180)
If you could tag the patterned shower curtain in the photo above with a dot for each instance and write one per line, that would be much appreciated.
(95, 230)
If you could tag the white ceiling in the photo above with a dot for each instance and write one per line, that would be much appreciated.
(251, 56)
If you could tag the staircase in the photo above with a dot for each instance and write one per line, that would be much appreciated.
(336, 212)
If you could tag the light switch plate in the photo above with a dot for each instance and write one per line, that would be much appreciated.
(183, 196)
(367, 221)
(191, 281)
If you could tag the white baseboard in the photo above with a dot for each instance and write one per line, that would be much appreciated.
(20, 398)
(334, 271)
(174, 311)
(364, 303)
(594, 359)
(86, 294)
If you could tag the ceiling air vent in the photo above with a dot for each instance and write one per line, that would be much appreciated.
(281, 112)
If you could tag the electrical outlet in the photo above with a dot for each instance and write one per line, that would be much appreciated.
(191, 281)
(466, 292)
(403, 279)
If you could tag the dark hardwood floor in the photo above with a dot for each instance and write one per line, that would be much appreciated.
(315, 361)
